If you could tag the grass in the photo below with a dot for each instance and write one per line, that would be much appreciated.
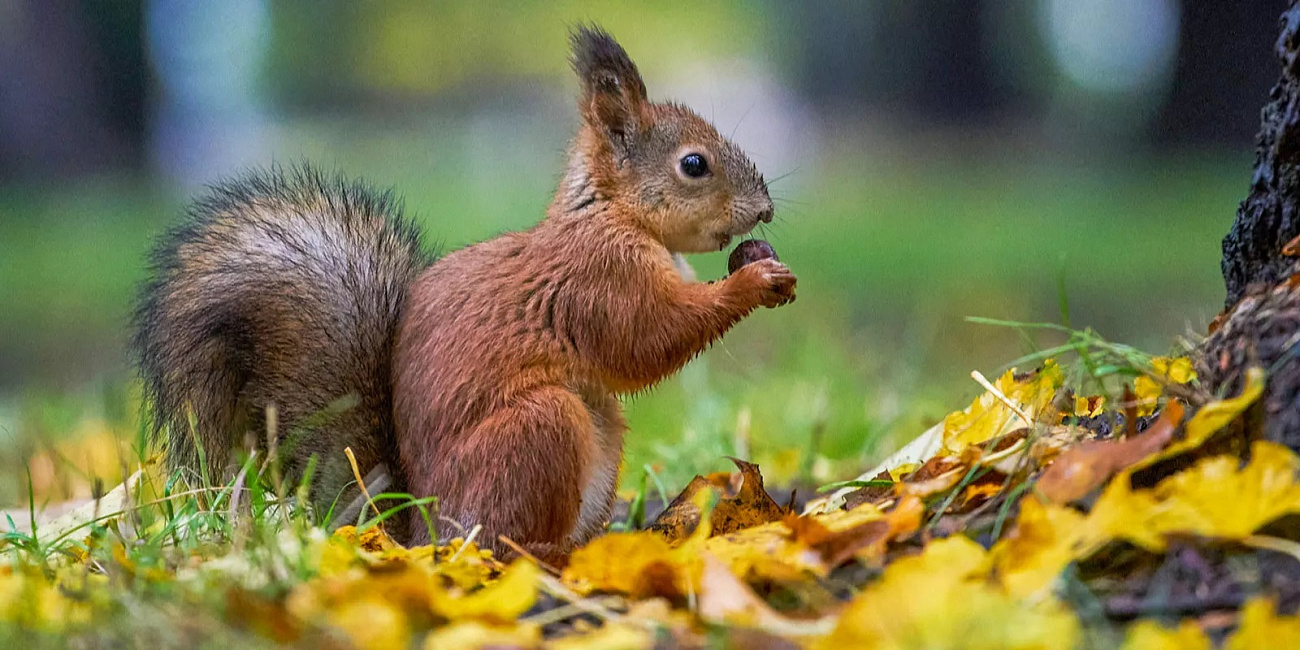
(892, 256)
(180, 559)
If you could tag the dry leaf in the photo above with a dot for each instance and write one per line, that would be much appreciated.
(472, 635)
(988, 417)
(638, 564)
(1042, 543)
(1212, 418)
(500, 602)
(1261, 627)
(612, 636)
(724, 598)
(1150, 635)
(1219, 498)
(742, 502)
(942, 599)
(1085, 467)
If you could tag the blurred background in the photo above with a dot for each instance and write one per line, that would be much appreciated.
(1069, 161)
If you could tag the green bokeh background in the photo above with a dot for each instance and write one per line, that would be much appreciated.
(898, 228)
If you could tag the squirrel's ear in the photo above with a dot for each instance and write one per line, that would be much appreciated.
(612, 91)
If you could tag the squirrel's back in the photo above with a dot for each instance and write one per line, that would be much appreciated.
(281, 288)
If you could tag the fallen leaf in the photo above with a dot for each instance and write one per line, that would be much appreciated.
(1261, 627)
(1219, 498)
(1215, 498)
(742, 502)
(472, 635)
(1150, 635)
(372, 622)
(977, 493)
(30, 602)
(1082, 469)
(834, 547)
(1088, 407)
(612, 636)
(1211, 419)
(942, 599)
(937, 475)
(1041, 544)
(724, 599)
(639, 564)
(500, 602)
(988, 417)
(1147, 389)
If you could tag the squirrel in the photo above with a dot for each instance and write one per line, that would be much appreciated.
(489, 378)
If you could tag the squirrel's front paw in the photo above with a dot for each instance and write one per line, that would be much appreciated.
(772, 281)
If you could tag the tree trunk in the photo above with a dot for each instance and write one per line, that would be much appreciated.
(1261, 326)
(1269, 218)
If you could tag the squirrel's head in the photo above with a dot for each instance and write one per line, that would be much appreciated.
(692, 188)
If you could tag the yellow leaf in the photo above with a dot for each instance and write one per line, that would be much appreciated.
(1261, 627)
(29, 601)
(472, 635)
(1178, 370)
(1089, 406)
(1120, 513)
(1211, 418)
(461, 562)
(1042, 544)
(766, 552)
(372, 623)
(898, 473)
(1147, 392)
(1150, 635)
(612, 636)
(1219, 498)
(942, 599)
(638, 564)
(502, 601)
(1214, 498)
(988, 417)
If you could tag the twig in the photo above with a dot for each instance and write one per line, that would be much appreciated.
(978, 377)
(591, 606)
(514, 546)
(1276, 544)
(564, 612)
(469, 539)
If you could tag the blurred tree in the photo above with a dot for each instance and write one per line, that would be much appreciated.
(73, 87)
(1270, 217)
(1223, 70)
(927, 61)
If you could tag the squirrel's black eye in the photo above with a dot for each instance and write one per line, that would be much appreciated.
(693, 165)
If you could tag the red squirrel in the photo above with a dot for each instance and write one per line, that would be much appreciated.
(490, 377)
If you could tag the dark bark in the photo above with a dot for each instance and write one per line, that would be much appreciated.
(1261, 327)
(1269, 218)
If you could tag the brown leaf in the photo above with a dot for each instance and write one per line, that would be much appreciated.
(742, 503)
(835, 546)
(865, 540)
(1084, 468)
(262, 615)
(869, 493)
(725, 599)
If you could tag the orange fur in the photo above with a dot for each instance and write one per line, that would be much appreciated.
(510, 354)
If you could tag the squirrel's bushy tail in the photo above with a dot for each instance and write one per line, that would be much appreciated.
(281, 288)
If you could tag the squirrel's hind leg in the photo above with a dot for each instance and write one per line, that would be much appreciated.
(519, 473)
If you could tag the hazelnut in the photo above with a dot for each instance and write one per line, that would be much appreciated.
(748, 252)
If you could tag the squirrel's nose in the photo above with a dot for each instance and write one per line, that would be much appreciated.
(766, 215)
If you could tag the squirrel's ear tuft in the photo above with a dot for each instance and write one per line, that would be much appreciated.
(612, 90)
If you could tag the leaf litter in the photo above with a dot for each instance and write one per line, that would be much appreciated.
(1040, 516)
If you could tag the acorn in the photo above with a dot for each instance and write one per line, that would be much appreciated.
(748, 252)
